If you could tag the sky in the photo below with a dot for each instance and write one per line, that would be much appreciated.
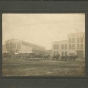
(41, 29)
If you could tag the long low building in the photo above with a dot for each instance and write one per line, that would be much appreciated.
(74, 45)
(18, 46)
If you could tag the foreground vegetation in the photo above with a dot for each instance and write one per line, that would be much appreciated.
(24, 67)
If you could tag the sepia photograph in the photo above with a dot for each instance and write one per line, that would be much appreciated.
(51, 44)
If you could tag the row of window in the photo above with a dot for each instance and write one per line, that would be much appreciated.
(72, 46)
(13, 45)
(79, 40)
(64, 53)
(72, 40)
(63, 46)
(79, 46)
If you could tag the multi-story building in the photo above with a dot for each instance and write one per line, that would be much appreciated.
(59, 47)
(74, 45)
(18, 46)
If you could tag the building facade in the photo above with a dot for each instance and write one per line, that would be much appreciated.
(18, 46)
(4, 49)
(74, 45)
(59, 47)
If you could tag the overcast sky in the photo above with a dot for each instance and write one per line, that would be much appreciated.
(41, 29)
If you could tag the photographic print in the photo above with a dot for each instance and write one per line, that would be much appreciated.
(43, 44)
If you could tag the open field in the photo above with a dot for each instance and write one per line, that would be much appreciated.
(23, 67)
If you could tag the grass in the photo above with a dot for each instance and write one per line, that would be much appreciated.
(23, 67)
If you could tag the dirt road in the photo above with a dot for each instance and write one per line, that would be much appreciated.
(23, 67)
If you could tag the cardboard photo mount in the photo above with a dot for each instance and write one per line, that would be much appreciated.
(44, 7)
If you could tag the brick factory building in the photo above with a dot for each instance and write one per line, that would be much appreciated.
(74, 45)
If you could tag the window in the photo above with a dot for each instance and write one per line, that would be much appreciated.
(77, 46)
(69, 40)
(65, 46)
(62, 46)
(73, 40)
(73, 46)
(69, 46)
(62, 53)
(81, 46)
